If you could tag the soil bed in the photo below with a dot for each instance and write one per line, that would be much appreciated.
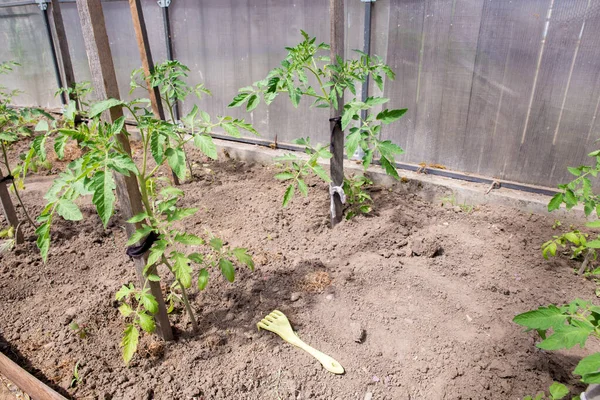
(434, 288)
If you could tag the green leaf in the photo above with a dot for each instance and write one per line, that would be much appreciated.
(594, 377)
(202, 279)
(125, 310)
(129, 342)
(102, 106)
(389, 116)
(59, 145)
(122, 163)
(242, 255)
(149, 302)
(216, 243)
(206, 145)
(593, 244)
(284, 176)
(390, 169)
(588, 365)
(320, 172)
(227, 269)
(157, 142)
(137, 218)
(565, 337)
(182, 269)
(593, 224)
(39, 145)
(156, 252)
(68, 210)
(153, 278)
(189, 239)
(555, 202)
(196, 257)
(302, 187)
(289, 193)
(542, 318)
(103, 184)
(139, 234)
(10, 137)
(238, 100)
(181, 213)
(176, 160)
(352, 142)
(374, 101)
(41, 126)
(147, 322)
(253, 102)
(231, 129)
(574, 171)
(124, 292)
(558, 390)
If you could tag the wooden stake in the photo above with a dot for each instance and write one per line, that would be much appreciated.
(26, 382)
(58, 27)
(105, 85)
(141, 35)
(336, 15)
(9, 210)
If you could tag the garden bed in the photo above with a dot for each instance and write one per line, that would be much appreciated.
(434, 287)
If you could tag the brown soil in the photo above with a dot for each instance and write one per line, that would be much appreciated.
(435, 289)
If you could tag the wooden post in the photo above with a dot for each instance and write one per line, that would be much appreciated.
(336, 15)
(141, 35)
(56, 21)
(9, 210)
(105, 84)
(26, 382)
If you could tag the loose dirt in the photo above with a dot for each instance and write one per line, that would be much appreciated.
(415, 301)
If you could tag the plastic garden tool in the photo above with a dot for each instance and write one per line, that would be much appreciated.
(278, 323)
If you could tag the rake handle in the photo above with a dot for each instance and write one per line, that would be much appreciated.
(328, 362)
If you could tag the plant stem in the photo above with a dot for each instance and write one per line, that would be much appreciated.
(186, 301)
(586, 260)
(187, 161)
(15, 186)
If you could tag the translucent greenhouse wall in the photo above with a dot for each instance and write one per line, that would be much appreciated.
(506, 89)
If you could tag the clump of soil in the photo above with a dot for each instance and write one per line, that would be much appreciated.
(415, 301)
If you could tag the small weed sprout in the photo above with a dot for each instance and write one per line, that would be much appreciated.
(77, 379)
(557, 391)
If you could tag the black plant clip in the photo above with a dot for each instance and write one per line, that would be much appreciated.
(7, 179)
(139, 251)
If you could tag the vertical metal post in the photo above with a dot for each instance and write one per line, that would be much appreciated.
(58, 26)
(359, 153)
(44, 7)
(164, 4)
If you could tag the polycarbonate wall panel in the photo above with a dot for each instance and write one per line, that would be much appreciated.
(507, 89)
(24, 40)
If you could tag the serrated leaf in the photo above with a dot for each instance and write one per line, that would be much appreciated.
(206, 145)
(102, 106)
(253, 102)
(59, 145)
(227, 269)
(146, 322)
(555, 202)
(149, 302)
(231, 129)
(352, 142)
(103, 184)
(320, 172)
(302, 188)
(202, 279)
(189, 239)
(182, 269)
(593, 244)
(156, 252)
(39, 145)
(565, 337)
(181, 213)
(139, 234)
(284, 176)
(68, 210)
(588, 365)
(125, 310)
(558, 390)
(389, 116)
(129, 342)
(242, 255)
(122, 163)
(389, 168)
(238, 100)
(176, 160)
(287, 196)
(542, 318)
(216, 243)
(123, 292)
(9, 137)
(41, 126)
(137, 218)
(374, 101)
(157, 142)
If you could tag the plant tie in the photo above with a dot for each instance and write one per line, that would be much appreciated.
(7, 179)
(340, 191)
(139, 251)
